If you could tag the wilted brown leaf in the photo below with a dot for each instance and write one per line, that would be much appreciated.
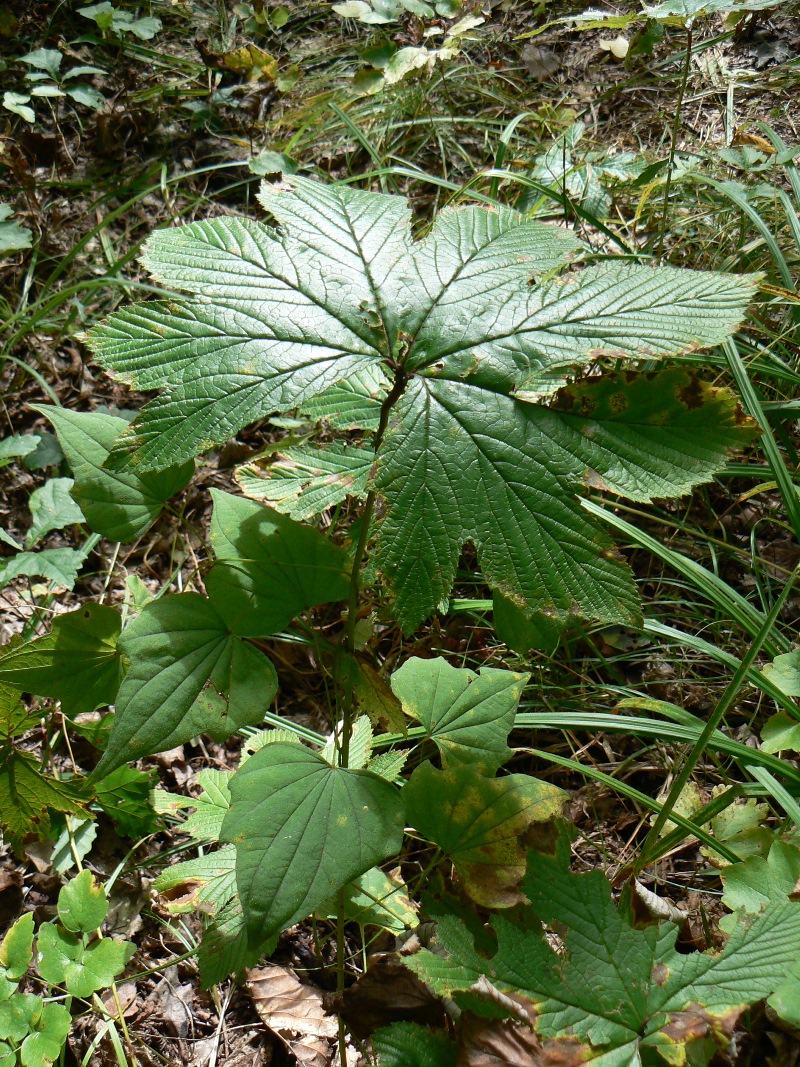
(294, 1013)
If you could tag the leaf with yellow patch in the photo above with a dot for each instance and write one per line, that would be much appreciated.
(483, 825)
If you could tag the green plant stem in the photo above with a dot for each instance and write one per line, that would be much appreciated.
(676, 129)
(348, 648)
(348, 643)
(726, 701)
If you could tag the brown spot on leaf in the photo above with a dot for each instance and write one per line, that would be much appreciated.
(592, 480)
(692, 395)
(660, 974)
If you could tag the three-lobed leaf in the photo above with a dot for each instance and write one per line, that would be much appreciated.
(467, 715)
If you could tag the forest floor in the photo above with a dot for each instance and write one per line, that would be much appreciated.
(185, 121)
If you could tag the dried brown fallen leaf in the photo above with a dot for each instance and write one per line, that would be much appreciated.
(387, 993)
(505, 1043)
(294, 1013)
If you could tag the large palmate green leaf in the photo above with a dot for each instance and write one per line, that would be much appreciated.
(268, 567)
(303, 829)
(478, 333)
(117, 504)
(77, 662)
(188, 674)
(468, 715)
(621, 992)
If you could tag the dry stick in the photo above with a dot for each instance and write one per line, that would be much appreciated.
(726, 701)
(348, 644)
(676, 129)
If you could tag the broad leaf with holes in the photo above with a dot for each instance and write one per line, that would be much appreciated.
(616, 993)
(477, 331)
(303, 829)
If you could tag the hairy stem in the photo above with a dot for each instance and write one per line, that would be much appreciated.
(348, 642)
(676, 129)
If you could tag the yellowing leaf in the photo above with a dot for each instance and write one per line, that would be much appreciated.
(483, 825)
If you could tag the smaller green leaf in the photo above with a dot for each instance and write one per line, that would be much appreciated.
(13, 238)
(412, 1045)
(753, 883)
(781, 733)
(46, 454)
(269, 568)
(17, 103)
(468, 715)
(16, 953)
(482, 824)
(14, 1014)
(73, 843)
(523, 633)
(124, 795)
(41, 1027)
(82, 904)
(784, 672)
(86, 95)
(211, 806)
(15, 719)
(375, 899)
(188, 675)
(302, 829)
(26, 795)
(57, 565)
(119, 505)
(65, 959)
(51, 1023)
(48, 59)
(225, 948)
(206, 883)
(740, 825)
(76, 663)
(16, 445)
